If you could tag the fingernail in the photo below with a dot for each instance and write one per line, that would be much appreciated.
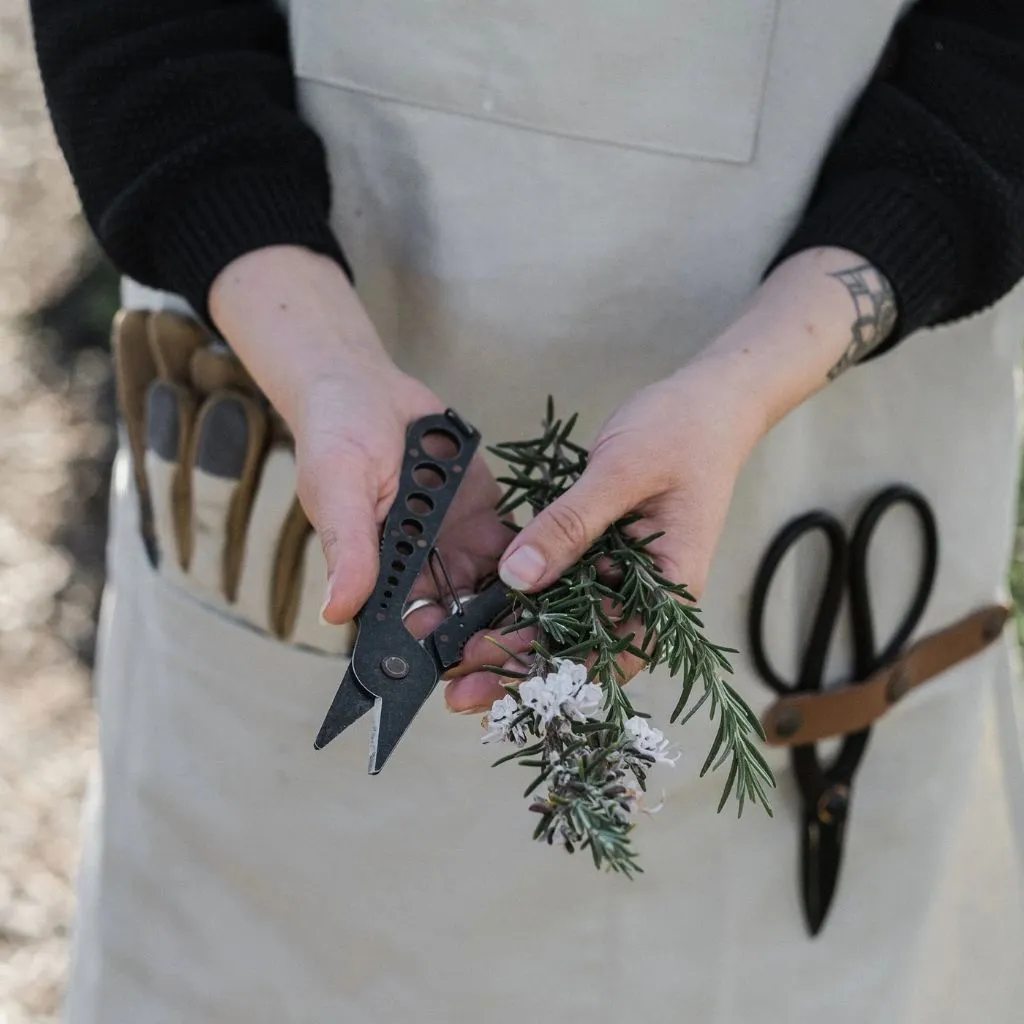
(327, 601)
(523, 568)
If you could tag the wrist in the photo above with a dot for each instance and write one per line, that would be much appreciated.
(818, 313)
(294, 320)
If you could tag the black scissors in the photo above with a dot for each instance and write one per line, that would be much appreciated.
(826, 788)
(391, 672)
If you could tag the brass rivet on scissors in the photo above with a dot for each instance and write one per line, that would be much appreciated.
(788, 723)
(394, 667)
(832, 803)
(993, 627)
(898, 685)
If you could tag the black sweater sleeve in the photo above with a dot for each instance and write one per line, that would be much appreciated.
(926, 179)
(177, 119)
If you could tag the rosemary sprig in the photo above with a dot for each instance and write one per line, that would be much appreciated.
(582, 617)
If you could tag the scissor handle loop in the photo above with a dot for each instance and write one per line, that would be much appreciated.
(812, 665)
(866, 657)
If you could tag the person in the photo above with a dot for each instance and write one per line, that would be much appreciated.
(684, 220)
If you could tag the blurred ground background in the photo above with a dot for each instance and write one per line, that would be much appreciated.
(56, 439)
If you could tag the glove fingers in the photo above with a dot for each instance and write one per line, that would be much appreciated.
(169, 415)
(310, 630)
(173, 339)
(271, 507)
(219, 369)
(287, 578)
(134, 371)
(229, 441)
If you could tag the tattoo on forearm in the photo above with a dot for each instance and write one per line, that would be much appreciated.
(875, 304)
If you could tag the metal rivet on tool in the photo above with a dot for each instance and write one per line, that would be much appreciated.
(788, 723)
(992, 628)
(395, 667)
(898, 685)
(833, 803)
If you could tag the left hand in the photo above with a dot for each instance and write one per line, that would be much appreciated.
(673, 452)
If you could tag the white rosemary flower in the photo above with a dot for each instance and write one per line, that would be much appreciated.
(574, 671)
(585, 698)
(647, 740)
(500, 722)
(544, 695)
(563, 692)
(586, 702)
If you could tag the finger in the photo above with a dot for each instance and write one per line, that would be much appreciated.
(450, 571)
(425, 620)
(561, 533)
(476, 692)
(453, 573)
(683, 552)
(339, 495)
(309, 630)
(483, 651)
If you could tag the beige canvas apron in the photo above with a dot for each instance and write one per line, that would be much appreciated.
(573, 197)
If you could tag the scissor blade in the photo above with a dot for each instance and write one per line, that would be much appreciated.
(395, 712)
(821, 856)
(350, 703)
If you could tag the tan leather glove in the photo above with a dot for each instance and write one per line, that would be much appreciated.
(214, 468)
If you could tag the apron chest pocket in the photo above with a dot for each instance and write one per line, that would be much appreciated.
(681, 77)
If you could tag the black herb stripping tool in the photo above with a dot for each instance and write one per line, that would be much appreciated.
(391, 672)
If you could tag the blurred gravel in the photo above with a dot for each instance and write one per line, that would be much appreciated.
(55, 303)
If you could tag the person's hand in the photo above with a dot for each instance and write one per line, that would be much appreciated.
(350, 441)
(295, 322)
(673, 453)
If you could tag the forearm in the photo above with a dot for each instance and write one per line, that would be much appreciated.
(816, 315)
(926, 179)
(293, 318)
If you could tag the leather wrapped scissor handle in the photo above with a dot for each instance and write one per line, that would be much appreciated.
(803, 718)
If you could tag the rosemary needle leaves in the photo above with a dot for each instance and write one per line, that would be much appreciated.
(575, 726)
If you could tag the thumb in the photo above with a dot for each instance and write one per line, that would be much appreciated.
(560, 534)
(340, 504)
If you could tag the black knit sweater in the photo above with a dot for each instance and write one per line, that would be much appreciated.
(178, 121)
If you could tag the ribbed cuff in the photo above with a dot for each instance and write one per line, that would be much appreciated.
(908, 232)
(234, 215)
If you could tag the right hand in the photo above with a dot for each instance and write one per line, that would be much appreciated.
(295, 322)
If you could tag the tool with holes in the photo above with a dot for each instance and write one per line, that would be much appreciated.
(391, 672)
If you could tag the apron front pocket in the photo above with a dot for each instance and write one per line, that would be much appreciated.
(245, 877)
(681, 77)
